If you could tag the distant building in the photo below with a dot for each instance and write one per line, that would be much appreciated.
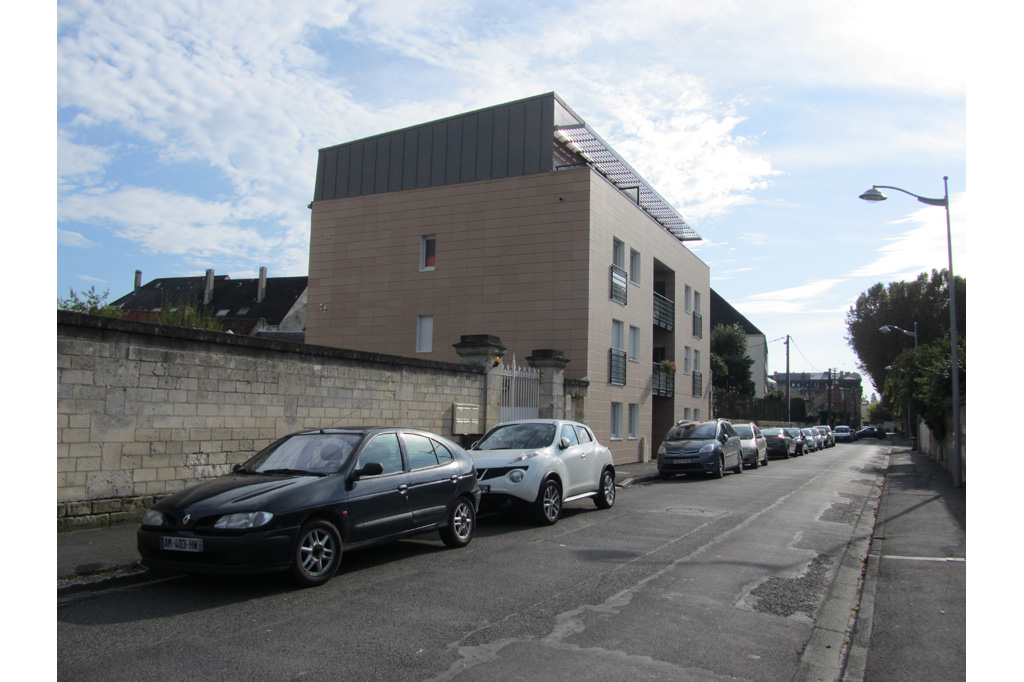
(516, 221)
(757, 344)
(816, 388)
(264, 306)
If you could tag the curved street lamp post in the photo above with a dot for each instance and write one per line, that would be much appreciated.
(874, 195)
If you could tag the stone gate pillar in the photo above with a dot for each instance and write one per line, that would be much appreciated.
(552, 364)
(485, 351)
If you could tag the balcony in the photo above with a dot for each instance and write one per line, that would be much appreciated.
(663, 383)
(618, 285)
(698, 383)
(698, 324)
(617, 366)
(664, 313)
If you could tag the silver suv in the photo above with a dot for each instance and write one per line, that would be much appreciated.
(700, 448)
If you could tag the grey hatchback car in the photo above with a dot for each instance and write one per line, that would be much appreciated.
(708, 447)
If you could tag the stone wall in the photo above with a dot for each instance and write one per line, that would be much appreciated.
(144, 410)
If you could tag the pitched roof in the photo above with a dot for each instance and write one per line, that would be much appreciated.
(723, 313)
(234, 300)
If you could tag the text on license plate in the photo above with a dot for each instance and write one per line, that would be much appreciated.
(181, 544)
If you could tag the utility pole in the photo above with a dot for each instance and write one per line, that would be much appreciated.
(789, 404)
(828, 413)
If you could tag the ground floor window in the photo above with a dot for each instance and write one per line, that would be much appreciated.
(634, 421)
(616, 421)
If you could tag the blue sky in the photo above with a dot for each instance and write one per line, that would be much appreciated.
(187, 132)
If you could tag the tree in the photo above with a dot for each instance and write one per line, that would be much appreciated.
(729, 347)
(89, 302)
(921, 379)
(924, 301)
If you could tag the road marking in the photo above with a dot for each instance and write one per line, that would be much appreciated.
(923, 558)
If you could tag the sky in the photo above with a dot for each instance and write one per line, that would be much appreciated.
(187, 132)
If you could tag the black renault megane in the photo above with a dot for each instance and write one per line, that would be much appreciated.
(297, 503)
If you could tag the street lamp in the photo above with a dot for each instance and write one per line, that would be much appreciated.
(885, 329)
(873, 195)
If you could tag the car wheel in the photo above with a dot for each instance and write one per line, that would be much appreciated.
(719, 471)
(317, 553)
(756, 463)
(548, 507)
(765, 462)
(605, 497)
(461, 523)
(738, 469)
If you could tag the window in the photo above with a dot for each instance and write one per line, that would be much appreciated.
(634, 267)
(686, 360)
(424, 333)
(686, 413)
(634, 420)
(618, 254)
(384, 449)
(616, 421)
(428, 248)
(569, 433)
(617, 335)
(696, 302)
(585, 436)
(420, 450)
(696, 414)
(687, 298)
(696, 360)
(634, 344)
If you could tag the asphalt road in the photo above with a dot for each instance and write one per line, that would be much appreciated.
(752, 577)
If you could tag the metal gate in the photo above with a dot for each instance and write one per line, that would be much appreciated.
(520, 392)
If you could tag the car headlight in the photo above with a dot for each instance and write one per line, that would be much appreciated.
(153, 518)
(244, 520)
(516, 475)
(526, 456)
(710, 447)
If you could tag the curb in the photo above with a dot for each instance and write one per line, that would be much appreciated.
(116, 577)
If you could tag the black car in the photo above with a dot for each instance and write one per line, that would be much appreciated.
(871, 432)
(780, 443)
(800, 446)
(299, 501)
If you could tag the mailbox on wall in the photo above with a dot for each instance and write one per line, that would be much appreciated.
(465, 419)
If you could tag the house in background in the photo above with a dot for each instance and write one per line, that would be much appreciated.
(516, 221)
(722, 312)
(842, 391)
(264, 306)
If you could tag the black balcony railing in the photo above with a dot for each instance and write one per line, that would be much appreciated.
(663, 383)
(698, 384)
(664, 313)
(618, 285)
(617, 366)
(698, 324)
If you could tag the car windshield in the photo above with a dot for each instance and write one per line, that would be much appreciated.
(746, 433)
(305, 453)
(690, 431)
(842, 429)
(773, 432)
(518, 437)
(808, 432)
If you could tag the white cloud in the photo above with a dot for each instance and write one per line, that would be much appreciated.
(74, 239)
(799, 299)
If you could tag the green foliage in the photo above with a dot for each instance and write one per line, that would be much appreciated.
(878, 413)
(729, 362)
(798, 409)
(924, 300)
(188, 315)
(775, 395)
(922, 379)
(89, 302)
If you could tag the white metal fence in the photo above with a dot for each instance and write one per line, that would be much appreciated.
(520, 392)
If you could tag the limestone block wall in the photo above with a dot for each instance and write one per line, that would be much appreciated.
(145, 410)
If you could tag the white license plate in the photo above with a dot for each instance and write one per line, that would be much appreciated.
(181, 544)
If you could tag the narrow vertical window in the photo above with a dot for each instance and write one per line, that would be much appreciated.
(428, 248)
(616, 426)
(696, 360)
(634, 266)
(696, 302)
(618, 254)
(686, 360)
(634, 344)
(696, 414)
(634, 421)
(687, 298)
(617, 335)
(424, 333)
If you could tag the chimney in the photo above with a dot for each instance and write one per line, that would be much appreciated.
(208, 293)
(261, 291)
(138, 280)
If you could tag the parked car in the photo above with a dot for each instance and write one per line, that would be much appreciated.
(753, 445)
(812, 439)
(799, 440)
(871, 432)
(779, 443)
(302, 500)
(829, 437)
(844, 434)
(708, 447)
(540, 464)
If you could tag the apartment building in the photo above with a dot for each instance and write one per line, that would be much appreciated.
(518, 221)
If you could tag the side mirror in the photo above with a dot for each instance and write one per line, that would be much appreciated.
(371, 469)
(563, 443)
